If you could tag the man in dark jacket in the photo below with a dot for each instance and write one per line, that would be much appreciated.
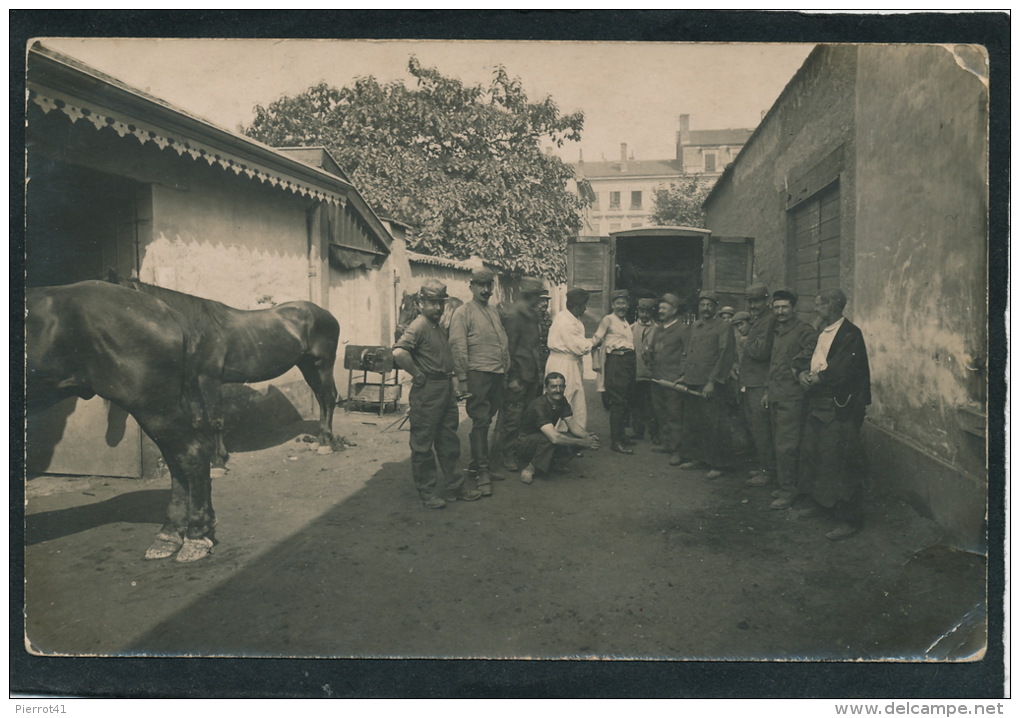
(708, 360)
(754, 377)
(838, 384)
(792, 345)
(665, 362)
(524, 379)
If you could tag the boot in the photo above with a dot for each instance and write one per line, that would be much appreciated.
(484, 481)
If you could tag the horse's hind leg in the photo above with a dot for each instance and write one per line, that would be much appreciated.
(319, 375)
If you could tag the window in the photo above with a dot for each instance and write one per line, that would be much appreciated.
(614, 227)
(614, 200)
(635, 200)
(710, 161)
(635, 225)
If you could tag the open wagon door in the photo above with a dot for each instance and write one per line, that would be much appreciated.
(589, 264)
(728, 268)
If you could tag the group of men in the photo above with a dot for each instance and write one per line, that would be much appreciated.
(506, 364)
(798, 394)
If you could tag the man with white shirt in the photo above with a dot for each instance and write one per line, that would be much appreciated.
(567, 347)
(838, 385)
(619, 369)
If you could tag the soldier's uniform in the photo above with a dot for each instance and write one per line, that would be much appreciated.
(433, 414)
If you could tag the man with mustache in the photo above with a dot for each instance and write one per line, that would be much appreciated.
(707, 363)
(793, 343)
(665, 358)
(424, 353)
(543, 448)
(481, 358)
(838, 384)
(754, 378)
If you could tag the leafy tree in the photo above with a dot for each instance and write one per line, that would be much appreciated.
(463, 165)
(679, 204)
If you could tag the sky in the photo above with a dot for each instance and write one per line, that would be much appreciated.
(629, 92)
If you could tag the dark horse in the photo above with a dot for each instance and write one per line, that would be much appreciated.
(235, 346)
(96, 338)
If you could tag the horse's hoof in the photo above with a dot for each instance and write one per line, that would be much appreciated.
(194, 549)
(165, 546)
(217, 473)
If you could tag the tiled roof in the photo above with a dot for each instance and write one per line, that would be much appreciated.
(719, 137)
(634, 168)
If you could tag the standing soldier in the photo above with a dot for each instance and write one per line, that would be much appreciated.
(838, 385)
(424, 353)
(481, 359)
(524, 380)
(754, 378)
(708, 361)
(619, 369)
(641, 415)
(792, 345)
(666, 360)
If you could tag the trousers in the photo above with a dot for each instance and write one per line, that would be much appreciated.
(508, 425)
(669, 413)
(433, 420)
(787, 418)
(760, 424)
(486, 389)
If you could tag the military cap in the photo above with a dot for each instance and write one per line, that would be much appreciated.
(706, 294)
(433, 289)
(727, 310)
(787, 294)
(577, 296)
(646, 303)
(672, 299)
(533, 286)
(483, 276)
(741, 317)
(619, 294)
(757, 291)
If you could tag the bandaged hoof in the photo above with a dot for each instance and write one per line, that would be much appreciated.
(194, 549)
(165, 546)
(323, 450)
(217, 473)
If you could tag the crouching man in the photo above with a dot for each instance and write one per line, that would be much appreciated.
(424, 352)
(542, 448)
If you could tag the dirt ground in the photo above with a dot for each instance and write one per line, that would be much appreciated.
(624, 557)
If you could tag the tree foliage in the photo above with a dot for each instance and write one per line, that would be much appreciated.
(679, 204)
(461, 164)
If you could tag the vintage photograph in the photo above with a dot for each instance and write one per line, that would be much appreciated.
(506, 350)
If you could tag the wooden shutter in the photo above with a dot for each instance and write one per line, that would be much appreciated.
(816, 247)
(588, 263)
(729, 265)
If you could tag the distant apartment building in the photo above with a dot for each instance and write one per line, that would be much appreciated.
(623, 191)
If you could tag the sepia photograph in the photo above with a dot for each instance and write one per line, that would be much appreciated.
(560, 351)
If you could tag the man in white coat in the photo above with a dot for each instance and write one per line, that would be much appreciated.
(567, 347)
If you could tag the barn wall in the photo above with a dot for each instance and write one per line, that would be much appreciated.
(910, 125)
(813, 118)
(243, 244)
(921, 263)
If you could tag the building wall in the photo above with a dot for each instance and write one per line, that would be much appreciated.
(603, 219)
(812, 118)
(238, 243)
(921, 260)
(910, 123)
